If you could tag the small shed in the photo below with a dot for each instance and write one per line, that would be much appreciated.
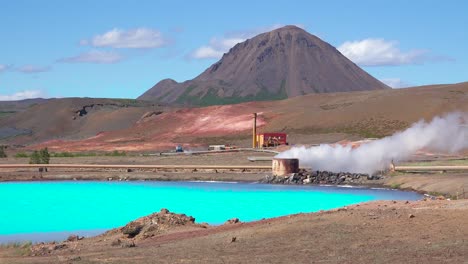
(271, 139)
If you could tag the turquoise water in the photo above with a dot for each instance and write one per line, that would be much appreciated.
(37, 207)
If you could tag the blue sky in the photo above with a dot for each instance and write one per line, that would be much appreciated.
(119, 49)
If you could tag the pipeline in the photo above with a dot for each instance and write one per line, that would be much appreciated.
(133, 166)
(430, 168)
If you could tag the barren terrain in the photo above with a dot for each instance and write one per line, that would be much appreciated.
(377, 232)
(430, 231)
(309, 119)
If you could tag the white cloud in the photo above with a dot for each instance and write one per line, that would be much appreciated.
(3, 67)
(33, 69)
(139, 38)
(94, 56)
(379, 52)
(26, 94)
(218, 46)
(395, 82)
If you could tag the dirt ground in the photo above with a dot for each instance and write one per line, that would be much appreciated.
(230, 158)
(237, 158)
(453, 185)
(376, 232)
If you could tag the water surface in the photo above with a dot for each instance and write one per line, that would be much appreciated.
(33, 208)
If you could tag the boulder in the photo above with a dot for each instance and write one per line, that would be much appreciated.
(132, 229)
(232, 221)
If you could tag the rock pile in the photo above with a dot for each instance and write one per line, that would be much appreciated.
(126, 237)
(153, 224)
(43, 249)
(322, 177)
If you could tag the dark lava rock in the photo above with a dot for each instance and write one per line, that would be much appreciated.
(132, 229)
(73, 238)
(320, 177)
(232, 221)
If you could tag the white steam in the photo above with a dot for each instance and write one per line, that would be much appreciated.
(448, 134)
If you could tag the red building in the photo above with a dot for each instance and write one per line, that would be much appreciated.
(271, 139)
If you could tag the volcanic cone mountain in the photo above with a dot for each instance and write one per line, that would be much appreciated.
(279, 64)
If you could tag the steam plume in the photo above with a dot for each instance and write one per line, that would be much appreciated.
(447, 134)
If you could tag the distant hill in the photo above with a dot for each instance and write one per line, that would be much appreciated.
(283, 63)
(16, 106)
(68, 118)
(309, 119)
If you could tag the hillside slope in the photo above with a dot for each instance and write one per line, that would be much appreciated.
(280, 64)
(71, 118)
(357, 115)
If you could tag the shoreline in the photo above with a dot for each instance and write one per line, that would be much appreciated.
(402, 225)
(349, 230)
(386, 195)
(189, 176)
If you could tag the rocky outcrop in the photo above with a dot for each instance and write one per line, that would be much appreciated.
(153, 224)
(323, 177)
(232, 221)
(125, 237)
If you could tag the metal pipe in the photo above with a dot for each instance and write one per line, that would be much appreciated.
(431, 168)
(133, 166)
(254, 136)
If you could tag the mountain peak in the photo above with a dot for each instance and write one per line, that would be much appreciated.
(289, 28)
(282, 63)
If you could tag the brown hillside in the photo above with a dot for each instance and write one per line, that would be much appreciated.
(71, 118)
(279, 64)
(344, 115)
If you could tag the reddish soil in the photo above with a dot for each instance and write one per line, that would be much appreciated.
(307, 120)
(162, 131)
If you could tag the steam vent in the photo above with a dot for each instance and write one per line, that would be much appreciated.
(281, 167)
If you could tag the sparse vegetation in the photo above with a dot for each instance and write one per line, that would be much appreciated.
(395, 185)
(21, 155)
(2, 152)
(395, 173)
(129, 102)
(24, 244)
(116, 153)
(34, 159)
(6, 113)
(21, 248)
(40, 157)
(212, 98)
(44, 155)
(73, 155)
(452, 162)
(63, 155)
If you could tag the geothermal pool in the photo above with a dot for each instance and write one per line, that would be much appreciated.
(41, 211)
